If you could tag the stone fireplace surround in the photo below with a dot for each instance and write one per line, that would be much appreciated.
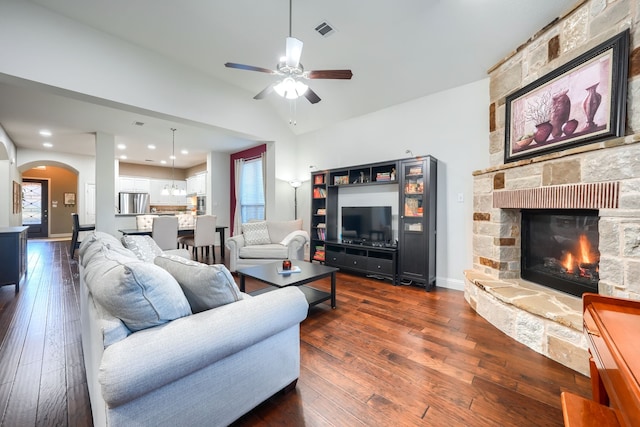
(603, 176)
(606, 175)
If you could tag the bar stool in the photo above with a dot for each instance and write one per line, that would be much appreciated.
(76, 228)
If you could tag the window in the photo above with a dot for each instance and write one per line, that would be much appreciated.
(252, 191)
(247, 195)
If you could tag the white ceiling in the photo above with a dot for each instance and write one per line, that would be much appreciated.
(398, 51)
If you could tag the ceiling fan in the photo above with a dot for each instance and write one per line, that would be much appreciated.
(292, 73)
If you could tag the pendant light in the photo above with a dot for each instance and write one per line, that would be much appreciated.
(174, 191)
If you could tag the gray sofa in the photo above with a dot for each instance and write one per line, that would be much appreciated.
(157, 363)
(262, 242)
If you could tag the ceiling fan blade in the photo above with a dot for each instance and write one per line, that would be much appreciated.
(266, 91)
(311, 96)
(249, 68)
(294, 52)
(329, 74)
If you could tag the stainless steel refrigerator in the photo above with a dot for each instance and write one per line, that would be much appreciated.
(134, 203)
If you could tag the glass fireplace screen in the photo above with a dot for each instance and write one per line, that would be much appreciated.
(560, 249)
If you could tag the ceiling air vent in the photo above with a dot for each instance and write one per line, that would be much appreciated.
(325, 29)
(138, 123)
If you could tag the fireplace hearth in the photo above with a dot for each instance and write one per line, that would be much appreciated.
(560, 249)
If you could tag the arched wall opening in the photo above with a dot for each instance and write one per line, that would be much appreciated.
(63, 192)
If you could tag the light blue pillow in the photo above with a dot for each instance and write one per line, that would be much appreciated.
(139, 293)
(205, 286)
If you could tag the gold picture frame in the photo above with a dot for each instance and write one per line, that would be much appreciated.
(69, 199)
(17, 197)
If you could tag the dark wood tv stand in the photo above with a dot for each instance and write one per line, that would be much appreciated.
(378, 261)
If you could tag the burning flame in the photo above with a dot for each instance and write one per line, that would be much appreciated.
(568, 262)
(585, 250)
(583, 257)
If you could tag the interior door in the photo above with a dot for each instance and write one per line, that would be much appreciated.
(90, 204)
(35, 206)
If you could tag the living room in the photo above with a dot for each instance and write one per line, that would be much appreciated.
(464, 142)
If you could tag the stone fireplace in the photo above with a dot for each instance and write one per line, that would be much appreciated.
(601, 180)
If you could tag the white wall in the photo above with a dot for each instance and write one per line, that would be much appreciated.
(452, 126)
(8, 174)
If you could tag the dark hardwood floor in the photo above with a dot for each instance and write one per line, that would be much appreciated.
(387, 356)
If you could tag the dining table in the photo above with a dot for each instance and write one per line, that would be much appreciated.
(182, 231)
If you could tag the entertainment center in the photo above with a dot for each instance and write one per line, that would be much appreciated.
(361, 237)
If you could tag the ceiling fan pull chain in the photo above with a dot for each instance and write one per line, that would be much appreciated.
(293, 109)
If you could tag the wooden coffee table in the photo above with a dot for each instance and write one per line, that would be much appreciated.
(268, 273)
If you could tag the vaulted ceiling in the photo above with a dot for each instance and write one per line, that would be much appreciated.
(398, 51)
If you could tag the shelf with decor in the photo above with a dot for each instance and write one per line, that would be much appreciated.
(318, 216)
(410, 259)
(417, 225)
(373, 174)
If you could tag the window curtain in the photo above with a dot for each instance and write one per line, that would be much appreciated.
(263, 160)
(237, 218)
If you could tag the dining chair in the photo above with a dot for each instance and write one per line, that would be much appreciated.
(145, 222)
(164, 232)
(76, 228)
(204, 236)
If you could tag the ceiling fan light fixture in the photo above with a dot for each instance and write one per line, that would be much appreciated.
(290, 88)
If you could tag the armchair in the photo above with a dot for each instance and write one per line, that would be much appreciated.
(263, 242)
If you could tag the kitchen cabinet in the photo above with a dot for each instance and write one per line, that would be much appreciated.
(197, 184)
(128, 184)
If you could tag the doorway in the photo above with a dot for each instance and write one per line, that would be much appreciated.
(35, 203)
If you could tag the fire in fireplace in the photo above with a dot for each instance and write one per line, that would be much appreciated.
(560, 249)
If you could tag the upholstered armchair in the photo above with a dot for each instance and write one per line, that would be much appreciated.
(262, 242)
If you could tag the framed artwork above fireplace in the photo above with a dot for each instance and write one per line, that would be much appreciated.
(581, 102)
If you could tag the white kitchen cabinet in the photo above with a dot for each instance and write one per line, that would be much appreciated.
(129, 184)
(197, 184)
(155, 195)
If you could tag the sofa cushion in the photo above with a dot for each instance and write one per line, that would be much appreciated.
(94, 242)
(278, 230)
(144, 247)
(139, 293)
(270, 251)
(256, 233)
(205, 286)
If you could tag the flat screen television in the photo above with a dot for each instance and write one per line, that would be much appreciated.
(366, 224)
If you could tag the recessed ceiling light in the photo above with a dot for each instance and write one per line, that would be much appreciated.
(47, 144)
(172, 157)
(164, 162)
(45, 132)
(184, 152)
(151, 147)
(123, 157)
(121, 146)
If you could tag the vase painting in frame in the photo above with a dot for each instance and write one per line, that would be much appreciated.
(581, 102)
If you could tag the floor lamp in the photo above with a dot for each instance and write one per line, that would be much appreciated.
(295, 185)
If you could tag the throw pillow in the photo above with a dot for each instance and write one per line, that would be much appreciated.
(205, 286)
(278, 230)
(144, 247)
(256, 233)
(139, 293)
